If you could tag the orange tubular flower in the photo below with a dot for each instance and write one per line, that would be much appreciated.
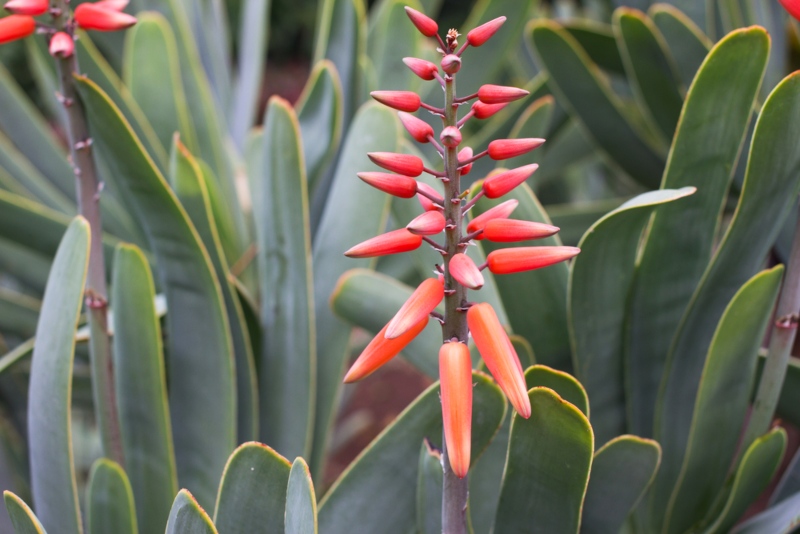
(515, 260)
(102, 18)
(32, 8)
(380, 350)
(393, 242)
(484, 32)
(499, 354)
(793, 7)
(399, 100)
(511, 230)
(501, 211)
(465, 271)
(62, 45)
(420, 304)
(511, 148)
(455, 373)
(500, 94)
(497, 185)
(426, 25)
(394, 184)
(404, 164)
(429, 223)
(16, 27)
(417, 128)
(424, 69)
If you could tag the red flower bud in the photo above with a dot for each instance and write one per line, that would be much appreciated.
(380, 350)
(484, 111)
(424, 69)
(104, 19)
(455, 373)
(451, 63)
(419, 305)
(31, 8)
(500, 94)
(114, 5)
(62, 45)
(400, 100)
(426, 25)
(429, 223)
(465, 271)
(463, 155)
(394, 184)
(389, 243)
(515, 260)
(16, 27)
(404, 164)
(497, 185)
(417, 128)
(450, 136)
(793, 7)
(425, 201)
(484, 32)
(511, 148)
(511, 230)
(501, 211)
(499, 355)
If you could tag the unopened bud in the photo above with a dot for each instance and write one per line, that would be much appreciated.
(500, 94)
(417, 128)
(463, 155)
(62, 45)
(399, 100)
(484, 32)
(424, 69)
(451, 63)
(100, 18)
(483, 111)
(16, 27)
(426, 25)
(32, 8)
(511, 148)
(450, 137)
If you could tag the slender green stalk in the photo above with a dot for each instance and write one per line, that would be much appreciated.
(88, 196)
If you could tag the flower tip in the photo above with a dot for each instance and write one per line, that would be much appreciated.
(104, 18)
(416, 128)
(501, 149)
(422, 68)
(399, 100)
(393, 242)
(515, 260)
(484, 32)
(455, 372)
(497, 185)
(32, 8)
(426, 25)
(404, 164)
(429, 223)
(465, 271)
(62, 45)
(419, 305)
(380, 350)
(500, 94)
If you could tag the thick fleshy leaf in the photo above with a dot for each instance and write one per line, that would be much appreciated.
(188, 517)
(287, 359)
(22, 517)
(392, 503)
(109, 499)
(722, 400)
(252, 493)
(142, 390)
(599, 283)
(430, 481)
(557, 444)
(533, 122)
(49, 399)
(599, 42)
(486, 477)
(390, 39)
(789, 483)
(301, 502)
(782, 518)
(687, 42)
(567, 387)
(202, 381)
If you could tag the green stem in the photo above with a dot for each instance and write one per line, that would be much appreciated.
(88, 197)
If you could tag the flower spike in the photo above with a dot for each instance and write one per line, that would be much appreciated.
(483, 111)
(62, 45)
(429, 223)
(500, 94)
(100, 18)
(15, 27)
(389, 243)
(400, 163)
(515, 260)
(497, 185)
(32, 8)
(417, 128)
(455, 373)
(380, 350)
(499, 354)
(465, 271)
(501, 211)
(394, 184)
(424, 69)
(484, 32)
(511, 148)
(420, 304)
(426, 25)
(399, 100)
(511, 230)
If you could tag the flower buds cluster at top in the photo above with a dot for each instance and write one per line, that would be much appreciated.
(445, 214)
(105, 15)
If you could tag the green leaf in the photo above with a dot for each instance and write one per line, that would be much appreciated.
(755, 471)
(687, 43)
(391, 505)
(533, 122)
(679, 243)
(18, 312)
(49, 400)
(391, 38)
(430, 483)
(556, 444)
(576, 219)
(202, 381)
(142, 390)
(789, 483)
(599, 42)
(580, 88)
(287, 360)
(722, 400)
(301, 502)
(567, 387)
(486, 477)
(598, 289)
(110, 508)
(22, 517)
(782, 518)
(622, 470)
(362, 211)
(252, 493)
(188, 517)
(20, 352)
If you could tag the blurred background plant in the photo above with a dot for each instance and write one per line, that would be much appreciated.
(661, 318)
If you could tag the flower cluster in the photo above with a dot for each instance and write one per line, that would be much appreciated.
(105, 15)
(446, 214)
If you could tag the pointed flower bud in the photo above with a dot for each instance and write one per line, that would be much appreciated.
(451, 63)
(100, 18)
(404, 164)
(400, 100)
(62, 45)
(484, 111)
(501, 211)
(455, 374)
(32, 8)
(417, 128)
(499, 355)
(394, 184)
(500, 94)
(16, 27)
(463, 155)
(425, 201)
(426, 25)
(380, 350)
(515, 260)
(511, 148)
(497, 185)
(420, 304)
(511, 230)
(393, 242)
(484, 32)
(465, 271)
(429, 223)
(450, 136)
(793, 7)
(114, 5)
(424, 69)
